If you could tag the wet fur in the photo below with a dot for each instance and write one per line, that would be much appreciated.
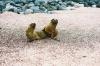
(50, 29)
(32, 35)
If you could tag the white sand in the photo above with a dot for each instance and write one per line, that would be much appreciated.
(79, 34)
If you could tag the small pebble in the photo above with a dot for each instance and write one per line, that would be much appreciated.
(84, 56)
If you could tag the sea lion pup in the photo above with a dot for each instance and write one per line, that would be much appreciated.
(50, 30)
(32, 35)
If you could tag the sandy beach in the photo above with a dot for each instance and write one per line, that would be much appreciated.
(79, 35)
